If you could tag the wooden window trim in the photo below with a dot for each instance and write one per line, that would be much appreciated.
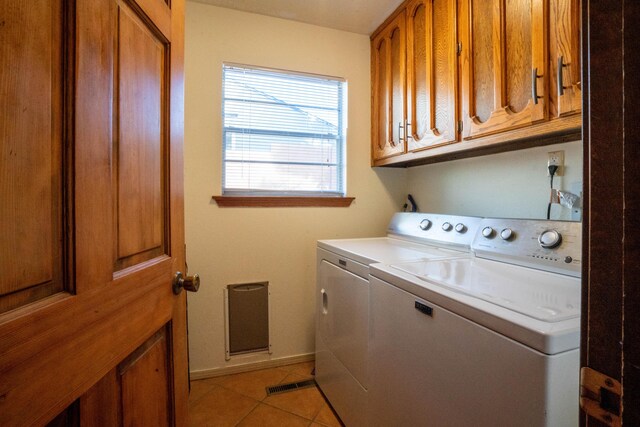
(278, 201)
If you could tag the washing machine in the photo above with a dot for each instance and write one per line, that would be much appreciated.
(487, 340)
(342, 307)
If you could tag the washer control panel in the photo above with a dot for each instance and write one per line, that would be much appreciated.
(547, 245)
(443, 230)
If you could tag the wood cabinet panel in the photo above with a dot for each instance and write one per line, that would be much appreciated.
(518, 56)
(443, 23)
(31, 167)
(389, 88)
(431, 73)
(478, 72)
(511, 62)
(381, 121)
(141, 148)
(564, 54)
(419, 74)
(483, 78)
(398, 89)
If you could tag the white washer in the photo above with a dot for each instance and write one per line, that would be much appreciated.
(490, 340)
(342, 308)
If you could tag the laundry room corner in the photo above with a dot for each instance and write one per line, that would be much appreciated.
(268, 244)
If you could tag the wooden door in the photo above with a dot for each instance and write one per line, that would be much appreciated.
(610, 332)
(564, 57)
(91, 94)
(388, 56)
(432, 73)
(503, 63)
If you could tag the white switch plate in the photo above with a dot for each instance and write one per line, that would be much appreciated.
(556, 158)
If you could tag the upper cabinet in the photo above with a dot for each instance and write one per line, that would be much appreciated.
(431, 73)
(564, 54)
(388, 70)
(458, 78)
(503, 65)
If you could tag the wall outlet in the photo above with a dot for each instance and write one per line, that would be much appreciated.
(556, 158)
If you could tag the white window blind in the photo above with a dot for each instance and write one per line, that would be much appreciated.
(283, 133)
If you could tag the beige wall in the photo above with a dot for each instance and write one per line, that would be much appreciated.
(513, 184)
(237, 245)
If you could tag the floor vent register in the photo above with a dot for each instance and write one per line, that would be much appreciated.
(283, 388)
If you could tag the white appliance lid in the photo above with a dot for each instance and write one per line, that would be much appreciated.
(550, 337)
(538, 294)
(385, 249)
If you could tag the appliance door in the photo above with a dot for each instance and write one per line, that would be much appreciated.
(342, 328)
(431, 367)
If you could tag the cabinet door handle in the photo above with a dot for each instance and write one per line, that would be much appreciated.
(408, 131)
(400, 127)
(561, 86)
(534, 85)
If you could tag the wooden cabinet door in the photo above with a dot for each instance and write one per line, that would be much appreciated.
(503, 63)
(564, 55)
(91, 94)
(432, 73)
(388, 56)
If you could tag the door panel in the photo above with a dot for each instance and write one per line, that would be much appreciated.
(141, 148)
(100, 406)
(145, 374)
(31, 250)
(112, 139)
(134, 393)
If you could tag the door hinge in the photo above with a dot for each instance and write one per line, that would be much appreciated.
(460, 126)
(600, 396)
(459, 48)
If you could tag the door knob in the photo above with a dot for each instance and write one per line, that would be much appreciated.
(190, 283)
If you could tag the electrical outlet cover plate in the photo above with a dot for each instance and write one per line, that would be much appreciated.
(556, 158)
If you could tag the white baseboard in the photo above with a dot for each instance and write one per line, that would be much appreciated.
(254, 366)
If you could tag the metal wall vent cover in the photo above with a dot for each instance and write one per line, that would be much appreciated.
(283, 388)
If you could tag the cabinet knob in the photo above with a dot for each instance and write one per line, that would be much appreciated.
(190, 283)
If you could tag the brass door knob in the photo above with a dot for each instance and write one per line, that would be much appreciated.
(190, 283)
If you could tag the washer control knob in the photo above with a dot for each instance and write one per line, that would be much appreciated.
(550, 239)
(446, 226)
(461, 228)
(507, 234)
(488, 232)
(425, 224)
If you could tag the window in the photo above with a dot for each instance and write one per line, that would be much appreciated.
(283, 133)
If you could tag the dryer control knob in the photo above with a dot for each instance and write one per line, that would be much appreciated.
(488, 232)
(507, 234)
(446, 226)
(461, 228)
(425, 224)
(550, 239)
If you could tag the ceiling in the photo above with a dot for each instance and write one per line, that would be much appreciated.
(356, 16)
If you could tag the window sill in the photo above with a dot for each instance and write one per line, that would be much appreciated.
(276, 201)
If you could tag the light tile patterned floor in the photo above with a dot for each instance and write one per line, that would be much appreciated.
(241, 400)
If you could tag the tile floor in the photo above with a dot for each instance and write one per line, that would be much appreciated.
(241, 400)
